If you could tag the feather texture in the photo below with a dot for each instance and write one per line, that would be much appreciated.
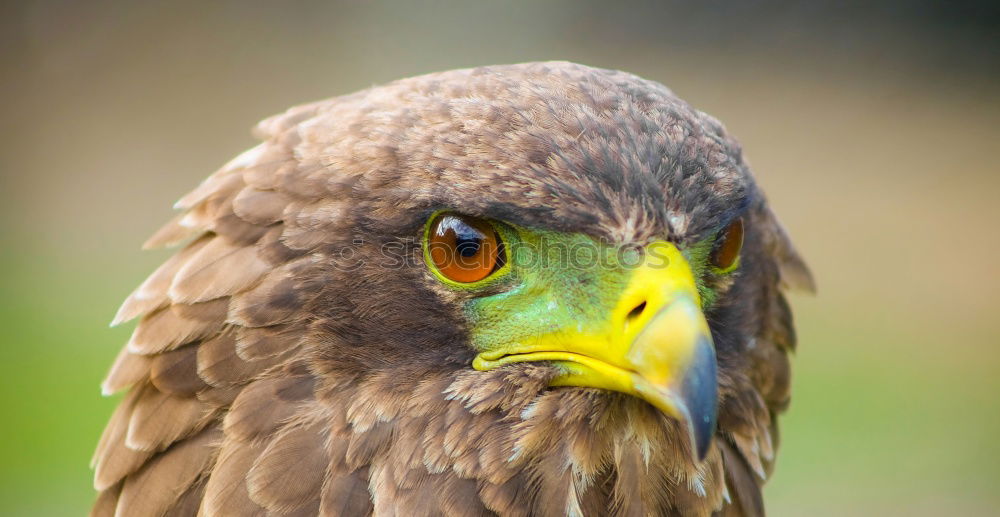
(159, 419)
(152, 294)
(178, 324)
(113, 460)
(218, 269)
(278, 368)
(166, 478)
(226, 492)
(128, 369)
(288, 475)
(176, 372)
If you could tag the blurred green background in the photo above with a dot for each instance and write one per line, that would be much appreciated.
(873, 127)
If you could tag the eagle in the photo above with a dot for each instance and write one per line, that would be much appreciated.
(535, 289)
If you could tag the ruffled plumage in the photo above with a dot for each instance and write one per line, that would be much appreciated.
(261, 374)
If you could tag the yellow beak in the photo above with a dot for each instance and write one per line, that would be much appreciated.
(655, 345)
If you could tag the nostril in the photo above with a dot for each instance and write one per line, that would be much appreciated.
(636, 312)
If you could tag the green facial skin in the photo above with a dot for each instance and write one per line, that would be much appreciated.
(697, 257)
(619, 318)
(554, 280)
(549, 290)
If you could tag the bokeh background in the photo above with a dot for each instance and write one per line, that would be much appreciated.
(873, 127)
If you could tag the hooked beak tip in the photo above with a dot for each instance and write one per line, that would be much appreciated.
(699, 392)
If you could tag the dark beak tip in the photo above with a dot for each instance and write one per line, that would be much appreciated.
(702, 438)
(700, 394)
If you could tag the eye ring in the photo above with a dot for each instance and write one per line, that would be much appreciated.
(463, 250)
(726, 249)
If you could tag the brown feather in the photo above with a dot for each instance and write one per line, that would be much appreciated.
(345, 494)
(168, 476)
(172, 233)
(152, 294)
(113, 460)
(203, 216)
(226, 492)
(170, 327)
(277, 299)
(227, 181)
(792, 269)
(220, 398)
(630, 472)
(288, 475)
(218, 269)
(188, 503)
(107, 502)
(235, 230)
(221, 366)
(742, 485)
(260, 207)
(364, 447)
(308, 225)
(176, 372)
(261, 343)
(266, 404)
(749, 449)
(507, 498)
(129, 369)
(276, 126)
(272, 250)
(160, 419)
(266, 174)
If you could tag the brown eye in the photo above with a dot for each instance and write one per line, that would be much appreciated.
(727, 245)
(464, 249)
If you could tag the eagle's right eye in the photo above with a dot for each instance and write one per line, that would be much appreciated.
(463, 249)
(726, 250)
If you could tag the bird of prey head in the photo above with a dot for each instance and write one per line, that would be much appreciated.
(540, 289)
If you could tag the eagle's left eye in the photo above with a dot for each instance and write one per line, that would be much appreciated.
(464, 249)
(726, 249)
